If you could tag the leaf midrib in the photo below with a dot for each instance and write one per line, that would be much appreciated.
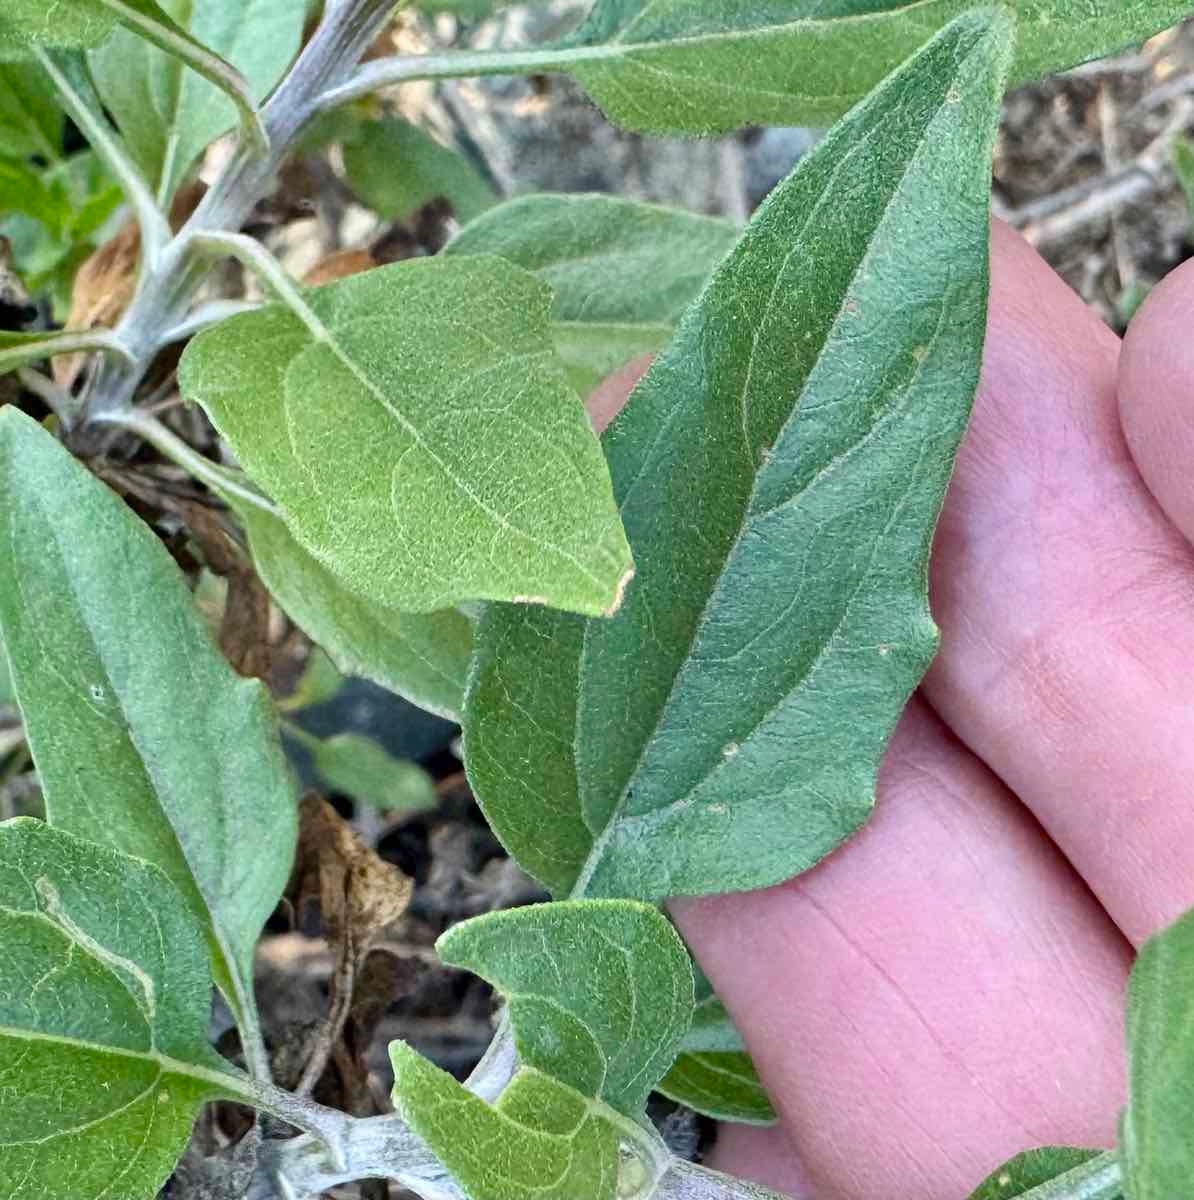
(601, 841)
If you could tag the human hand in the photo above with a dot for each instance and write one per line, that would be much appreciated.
(947, 989)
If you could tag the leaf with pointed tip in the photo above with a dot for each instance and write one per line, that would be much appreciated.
(144, 738)
(599, 993)
(540, 1139)
(621, 272)
(1156, 1145)
(104, 1005)
(423, 444)
(1031, 1169)
(168, 112)
(356, 766)
(780, 471)
(707, 66)
(421, 656)
(31, 121)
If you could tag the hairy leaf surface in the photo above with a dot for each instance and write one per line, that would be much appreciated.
(780, 471)
(104, 1005)
(1156, 1147)
(144, 738)
(599, 993)
(621, 272)
(31, 121)
(706, 66)
(1031, 1169)
(166, 111)
(25, 24)
(421, 656)
(424, 444)
(541, 1139)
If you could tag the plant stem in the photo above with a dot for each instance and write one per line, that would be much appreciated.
(460, 64)
(167, 285)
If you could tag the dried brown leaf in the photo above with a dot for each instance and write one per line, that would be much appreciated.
(339, 265)
(105, 282)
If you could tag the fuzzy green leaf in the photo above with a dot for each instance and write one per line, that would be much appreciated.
(780, 471)
(104, 1005)
(144, 738)
(358, 767)
(396, 168)
(167, 111)
(714, 1075)
(31, 120)
(541, 1139)
(599, 993)
(1032, 1169)
(721, 1085)
(425, 445)
(421, 656)
(622, 272)
(1157, 1137)
(25, 24)
(706, 66)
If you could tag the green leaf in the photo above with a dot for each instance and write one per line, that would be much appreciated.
(622, 272)
(1182, 154)
(144, 738)
(1032, 1169)
(707, 66)
(396, 168)
(721, 1085)
(22, 190)
(104, 1005)
(31, 122)
(169, 113)
(430, 385)
(780, 471)
(421, 656)
(357, 766)
(599, 993)
(714, 1075)
(25, 24)
(541, 1139)
(1156, 1145)
(20, 349)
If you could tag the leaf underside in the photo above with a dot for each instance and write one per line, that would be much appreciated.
(779, 472)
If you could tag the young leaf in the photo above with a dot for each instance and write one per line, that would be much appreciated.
(396, 168)
(1032, 1169)
(714, 1074)
(1156, 1146)
(599, 993)
(357, 766)
(25, 24)
(144, 738)
(780, 471)
(707, 66)
(31, 122)
(104, 1005)
(421, 442)
(169, 112)
(421, 656)
(540, 1139)
(621, 272)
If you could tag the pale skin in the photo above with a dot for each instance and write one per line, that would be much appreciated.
(948, 989)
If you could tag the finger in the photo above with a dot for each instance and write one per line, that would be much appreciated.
(940, 994)
(1156, 395)
(607, 399)
(1066, 603)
